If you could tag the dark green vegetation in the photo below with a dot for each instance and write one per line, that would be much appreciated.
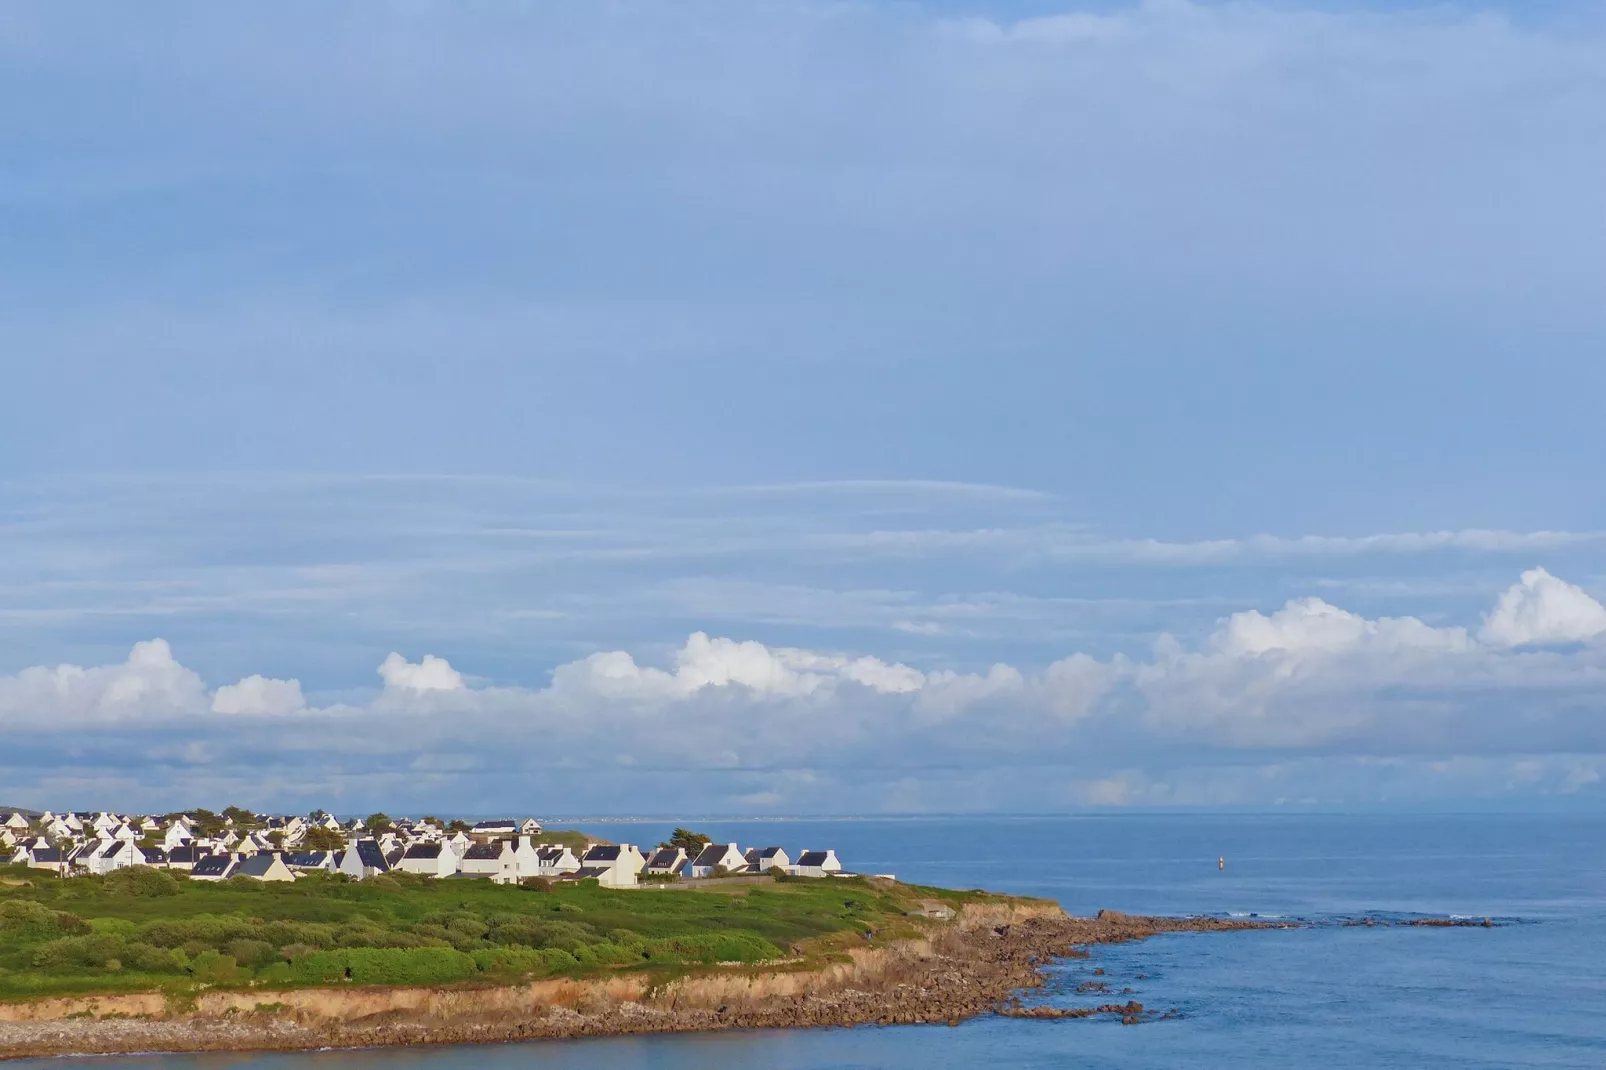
(142, 929)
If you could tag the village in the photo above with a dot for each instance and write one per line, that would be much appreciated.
(265, 847)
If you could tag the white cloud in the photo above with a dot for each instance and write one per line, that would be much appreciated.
(1310, 625)
(430, 674)
(702, 662)
(259, 696)
(1543, 609)
(150, 685)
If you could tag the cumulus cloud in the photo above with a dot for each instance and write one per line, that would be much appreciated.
(723, 663)
(430, 674)
(149, 684)
(1543, 609)
(259, 696)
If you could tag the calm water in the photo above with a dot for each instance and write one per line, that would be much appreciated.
(1532, 993)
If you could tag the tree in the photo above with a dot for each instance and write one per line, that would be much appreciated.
(239, 815)
(377, 823)
(207, 823)
(459, 825)
(276, 837)
(430, 819)
(691, 842)
(319, 838)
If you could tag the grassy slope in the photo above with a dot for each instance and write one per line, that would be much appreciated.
(120, 933)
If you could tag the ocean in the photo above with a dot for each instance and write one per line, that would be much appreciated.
(1530, 992)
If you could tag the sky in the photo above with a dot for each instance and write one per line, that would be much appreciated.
(803, 407)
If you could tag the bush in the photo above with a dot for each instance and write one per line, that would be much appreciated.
(148, 959)
(384, 966)
(93, 952)
(215, 968)
(253, 953)
(140, 881)
(22, 922)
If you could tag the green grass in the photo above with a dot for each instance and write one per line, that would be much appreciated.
(145, 929)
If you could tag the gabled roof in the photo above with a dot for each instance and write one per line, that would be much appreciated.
(212, 866)
(550, 854)
(498, 823)
(756, 854)
(307, 859)
(813, 858)
(188, 853)
(255, 866)
(713, 855)
(369, 854)
(666, 857)
(423, 850)
(602, 853)
(483, 851)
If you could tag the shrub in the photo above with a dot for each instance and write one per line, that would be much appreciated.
(252, 953)
(148, 959)
(69, 953)
(215, 968)
(23, 921)
(140, 881)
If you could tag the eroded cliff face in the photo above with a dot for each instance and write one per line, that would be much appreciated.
(957, 968)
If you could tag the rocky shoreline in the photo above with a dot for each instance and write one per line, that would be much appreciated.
(971, 965)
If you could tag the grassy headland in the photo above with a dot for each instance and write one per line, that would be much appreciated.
(145, 929)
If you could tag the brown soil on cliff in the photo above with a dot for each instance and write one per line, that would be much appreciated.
(956, 970)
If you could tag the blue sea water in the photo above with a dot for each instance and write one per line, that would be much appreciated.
(1530, 992)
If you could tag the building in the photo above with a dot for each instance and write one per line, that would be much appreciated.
(665, 862)
(429, 859)
(498, 860)
(725, 857)
(213, 868)
(765, 859)
(816, 864)
(264, 866)
(555, 860)
(361, 858)
(499, 828)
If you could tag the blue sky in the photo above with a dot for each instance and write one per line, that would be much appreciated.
(981, 367)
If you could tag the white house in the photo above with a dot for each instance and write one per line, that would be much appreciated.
(554, 860)
(361, 858)
(816, 864)
(214, 867)
(15, 822)
(301, 861)
(607, 876)
(177, 835)
(530, 827)
(614, 856)
(430, 859)
(723, 856)
(265, 866)
(665, 862)
(494, 829)
(115, 854)
(498, 860)
(765, 859)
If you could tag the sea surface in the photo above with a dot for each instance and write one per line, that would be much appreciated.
(1530, 992)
